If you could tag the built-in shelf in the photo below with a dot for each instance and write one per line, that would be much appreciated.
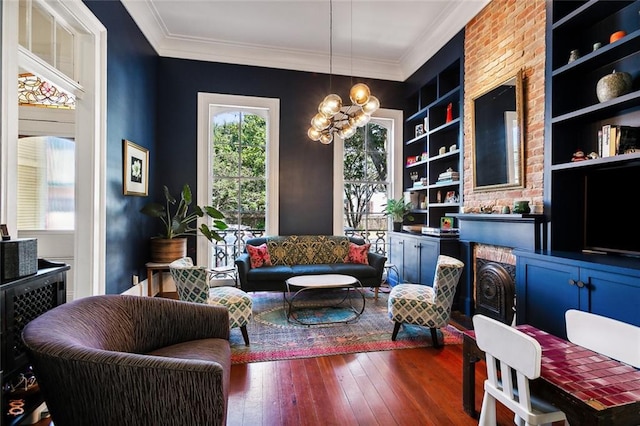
(437, 106)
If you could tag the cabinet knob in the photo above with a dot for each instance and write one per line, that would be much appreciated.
(572, 282)
(580, 284)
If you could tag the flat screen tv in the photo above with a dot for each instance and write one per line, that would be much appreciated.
(612, 220)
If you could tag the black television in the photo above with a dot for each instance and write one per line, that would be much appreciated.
(611, 218)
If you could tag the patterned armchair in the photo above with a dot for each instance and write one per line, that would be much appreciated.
(192, 284)
(424, 305)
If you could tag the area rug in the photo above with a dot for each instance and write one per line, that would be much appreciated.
(273, 337)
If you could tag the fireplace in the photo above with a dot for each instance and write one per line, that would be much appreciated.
(488, 241)
(495, 289)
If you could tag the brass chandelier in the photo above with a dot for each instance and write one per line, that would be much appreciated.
(335, 118)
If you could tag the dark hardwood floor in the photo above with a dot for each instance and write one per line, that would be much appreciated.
(403, 387)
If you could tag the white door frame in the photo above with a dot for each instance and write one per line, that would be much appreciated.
(90, 133)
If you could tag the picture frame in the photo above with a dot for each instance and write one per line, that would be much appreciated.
(135, 169)
(446, 222)
(4, 232)
(419, 130)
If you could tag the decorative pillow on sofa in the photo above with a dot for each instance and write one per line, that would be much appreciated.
(259, 255)
(357, 253)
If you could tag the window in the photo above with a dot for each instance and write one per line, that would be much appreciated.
(241, 170)
(44, 35)
(46, 183)
(369, 178)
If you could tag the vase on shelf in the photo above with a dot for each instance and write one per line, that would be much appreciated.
(613, 85)
(521, 207)
(617, 36)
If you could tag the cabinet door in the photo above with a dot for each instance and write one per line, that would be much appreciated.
(412, 260)
(429, 251)
(396, 253)
(612, 295)
(544, 291)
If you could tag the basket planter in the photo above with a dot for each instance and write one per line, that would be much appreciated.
(165, 250)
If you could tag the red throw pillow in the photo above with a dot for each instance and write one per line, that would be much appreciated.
(259, 255)
(358, 254)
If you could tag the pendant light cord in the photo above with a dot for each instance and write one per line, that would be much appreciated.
(351, 38)
(330, 46)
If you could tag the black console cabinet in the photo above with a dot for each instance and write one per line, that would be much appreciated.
(21, 301)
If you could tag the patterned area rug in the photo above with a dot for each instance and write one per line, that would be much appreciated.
(272, 337)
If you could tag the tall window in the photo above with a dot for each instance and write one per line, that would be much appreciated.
(238, 170)
(366, 183)
(368, 169)
(239, 149)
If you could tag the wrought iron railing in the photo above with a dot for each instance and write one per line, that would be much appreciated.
(234, 241)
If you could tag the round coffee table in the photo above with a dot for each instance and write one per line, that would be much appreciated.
(304, 284)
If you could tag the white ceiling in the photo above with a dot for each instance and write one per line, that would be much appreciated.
(385, 39)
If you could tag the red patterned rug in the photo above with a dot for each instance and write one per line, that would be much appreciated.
(272, 337)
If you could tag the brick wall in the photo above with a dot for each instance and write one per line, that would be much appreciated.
(507, 35)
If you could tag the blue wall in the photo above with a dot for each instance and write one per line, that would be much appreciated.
(152, 101)
(306, 167)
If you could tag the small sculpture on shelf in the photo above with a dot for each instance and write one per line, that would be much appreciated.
(579, 156)
(574, 55)
(414, 177)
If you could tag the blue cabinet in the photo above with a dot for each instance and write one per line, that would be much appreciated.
(547, 284)
(416, 256)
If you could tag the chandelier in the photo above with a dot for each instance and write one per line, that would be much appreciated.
(333, 116)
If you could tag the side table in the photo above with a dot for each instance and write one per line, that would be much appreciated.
(155, 267)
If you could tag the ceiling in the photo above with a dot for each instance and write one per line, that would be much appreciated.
(385, 39)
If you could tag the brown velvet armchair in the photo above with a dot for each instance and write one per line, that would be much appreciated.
(130, 360)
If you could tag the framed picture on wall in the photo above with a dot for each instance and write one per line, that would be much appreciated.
(135, 169)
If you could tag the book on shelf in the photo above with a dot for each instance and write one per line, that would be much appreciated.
(605, 150)
(440, 232)
(627, 138)
(617, 139)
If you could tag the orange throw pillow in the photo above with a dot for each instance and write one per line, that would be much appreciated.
(358, 254)
(259, 255)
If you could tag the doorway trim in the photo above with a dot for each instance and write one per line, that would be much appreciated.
(90, 134)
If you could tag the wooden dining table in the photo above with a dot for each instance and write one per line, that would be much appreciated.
(590, 388)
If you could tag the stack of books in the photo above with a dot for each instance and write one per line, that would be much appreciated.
(448, 176)
(614, 140)
(440, 232)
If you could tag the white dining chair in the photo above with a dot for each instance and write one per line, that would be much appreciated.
(607, 336)
(511, 354)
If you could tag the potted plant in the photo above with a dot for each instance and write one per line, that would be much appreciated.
(171, 244)
(398, 210)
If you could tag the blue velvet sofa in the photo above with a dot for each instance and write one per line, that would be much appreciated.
(306, 255)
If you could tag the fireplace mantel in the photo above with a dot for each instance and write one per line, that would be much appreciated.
(514, 231)
(521, 231)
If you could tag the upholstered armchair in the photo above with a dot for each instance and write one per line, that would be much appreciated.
(131, 360)
(428, 306)
(193, 285)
